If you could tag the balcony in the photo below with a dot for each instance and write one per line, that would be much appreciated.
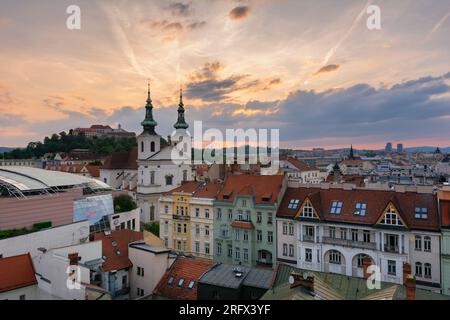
(308, 238)
(181, 218)
(350, 243)
(392, 249)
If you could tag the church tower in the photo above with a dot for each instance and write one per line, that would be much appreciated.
(148, 141)
(181, 126)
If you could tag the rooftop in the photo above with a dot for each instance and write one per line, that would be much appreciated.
(198, 189)
(16, 272)
(28, 179)
(232, 276)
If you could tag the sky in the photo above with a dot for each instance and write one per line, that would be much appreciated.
(312, 69)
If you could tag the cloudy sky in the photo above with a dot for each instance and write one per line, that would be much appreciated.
(310, 68)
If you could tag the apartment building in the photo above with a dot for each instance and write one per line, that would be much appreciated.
(333, 230)
(444, 206)
(244, 221)
(186, 218)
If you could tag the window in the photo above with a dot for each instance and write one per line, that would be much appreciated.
(207, 213)
(152, 177)
(418, 243)
(179, 245)
(245, 254)
(269, 218)
(237, 253)
(169, 180)
(245, 235)
(343, 233)
(170, 281)
(360, 260)
(244, 203)
(366, 236)
(191, 284)
(179, 228)
(180, 283)
(219, 249)
(291, 250)
(355, 235)
(140, 292)
(308, 255)
(197, 229)
(142, 146)
(336, 207)
(219, 214)
(230, 214)
(291, 229)
(22, 297)
(391, 218)
(427, 270)
(392, 267)
(308, 210)
(335, 257)
(207, 231)
(309, 233)
(332, 232)
(184, 175)
(206, 248)
(152, 146)
(427, 244)
(259, 235)
(285, 228)
(293, 204)
(270, 237)
(418, 269)
(240, 215)
(185, 228)
(197, 212)
(224, 231)
(237, 235)
(140, 271)
(421, 213)
(259, 217)
(361, 209)
(230, 251)
(285, 249)
(197, 247)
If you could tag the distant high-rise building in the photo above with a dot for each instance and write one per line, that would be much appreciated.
(400, 148)
(388, 147)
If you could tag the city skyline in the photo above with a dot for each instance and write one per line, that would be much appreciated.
(315, 71)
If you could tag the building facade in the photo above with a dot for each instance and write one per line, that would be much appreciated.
(444, 206)
(186, 218)
(333, 230)
(244, 221)
(161, 166)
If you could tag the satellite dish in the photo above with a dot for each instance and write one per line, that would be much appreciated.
(291, 280)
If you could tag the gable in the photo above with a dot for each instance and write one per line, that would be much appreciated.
(391, 217)
(307, 210)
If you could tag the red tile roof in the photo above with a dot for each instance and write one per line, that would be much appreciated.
(198, 189)
(117, 254)
(189, 269)
(122, 160)
(444, 203)
(376, 201)
(242, 224)
(16, 272)
(257, 186)
(300, 165)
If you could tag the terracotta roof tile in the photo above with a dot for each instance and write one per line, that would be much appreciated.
(242, 224)
(198, 189)
(300, 165)
(115, 248)
(376, 201)
(122, 160)
(16, 272)
(258, 186)
(189, 269)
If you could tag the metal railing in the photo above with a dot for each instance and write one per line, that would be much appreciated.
(350, 243)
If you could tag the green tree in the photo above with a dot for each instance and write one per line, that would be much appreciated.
(153, 228)
(124, 203)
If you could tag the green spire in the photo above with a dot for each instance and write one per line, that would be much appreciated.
(181, 123)
(149, 123)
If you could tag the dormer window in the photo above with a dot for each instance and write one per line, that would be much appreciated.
(361, 209)
(391, 218)
(170, 281)
(421, 213)
(293, 204)
(336, 207)
(308, 210)
(180, 283)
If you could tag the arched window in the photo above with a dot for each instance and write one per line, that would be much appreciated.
(335, 257)
(142, 146)
(152, 146)
(418, 269)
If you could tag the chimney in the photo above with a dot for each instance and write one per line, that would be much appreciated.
(410, 286)
(406, 271)
(367, 262)
(297, 280)
(73, 259)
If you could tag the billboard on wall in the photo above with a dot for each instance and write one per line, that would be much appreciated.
(96, 209)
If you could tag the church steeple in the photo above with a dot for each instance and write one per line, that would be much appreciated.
(181, 123)
(149, 123)
(352, 154)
